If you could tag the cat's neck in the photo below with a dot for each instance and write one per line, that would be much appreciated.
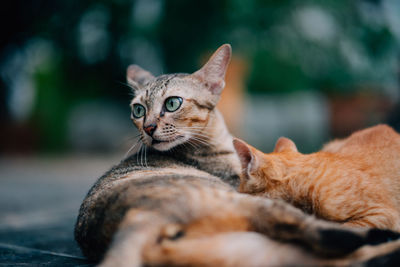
(215, 138)
(215, 154)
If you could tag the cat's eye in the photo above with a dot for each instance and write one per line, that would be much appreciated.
(138, 111)
(173, 103)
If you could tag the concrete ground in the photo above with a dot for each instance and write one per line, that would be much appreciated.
(39, 202)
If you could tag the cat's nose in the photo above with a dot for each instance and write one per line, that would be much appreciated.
(150, 129)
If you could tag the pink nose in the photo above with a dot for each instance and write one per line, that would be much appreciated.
(150, 129)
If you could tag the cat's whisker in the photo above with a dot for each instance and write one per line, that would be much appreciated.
(145, 156)
(133, 147)
(204, 139)
(127, 141)
(192, 144)
(167, 136)
(128, 85)
(201, 131)
(194, 128)
(130, 138)
(137, 156)
(204, 126)
(201, 134)
(141, 156)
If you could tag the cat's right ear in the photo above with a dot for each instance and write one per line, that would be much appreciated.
(247, 157)
(285, 144)
(212, 74)
(137, 77)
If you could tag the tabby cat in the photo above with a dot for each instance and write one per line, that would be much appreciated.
(354, 181)
(174, 203)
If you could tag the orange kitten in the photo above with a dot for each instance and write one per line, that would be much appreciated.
(355, 181)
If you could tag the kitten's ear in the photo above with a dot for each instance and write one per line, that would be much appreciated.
(212, 74)
(285, 144)
(247, 157)
(136, 76)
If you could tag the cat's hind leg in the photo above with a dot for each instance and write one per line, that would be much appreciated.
(228, 249)
(138, 230)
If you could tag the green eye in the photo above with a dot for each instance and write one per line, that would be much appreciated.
(173, 103)
(138, 111)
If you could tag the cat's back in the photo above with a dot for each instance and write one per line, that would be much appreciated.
(163, 185)
(379, 142)
(135, 183)
(376, 152)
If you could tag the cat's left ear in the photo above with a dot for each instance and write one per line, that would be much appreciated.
(212, 74)
(247, 157)
(285, 145)
(136, 76)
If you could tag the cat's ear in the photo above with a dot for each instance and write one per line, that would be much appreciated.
(136, 76)
(247, 155)
(285, 145)
(212, 74)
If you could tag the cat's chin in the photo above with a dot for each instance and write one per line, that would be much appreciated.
(167, 145)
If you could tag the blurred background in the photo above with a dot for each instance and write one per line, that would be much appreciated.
(308, 70)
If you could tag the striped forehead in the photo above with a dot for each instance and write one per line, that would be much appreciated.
(157, 88)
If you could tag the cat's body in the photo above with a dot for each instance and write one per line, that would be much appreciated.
(355, 181)
(175, 203)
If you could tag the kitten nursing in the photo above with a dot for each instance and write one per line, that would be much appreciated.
(177, 204)
(354, 181)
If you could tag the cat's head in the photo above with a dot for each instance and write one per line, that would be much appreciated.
(173, 109)
(263, 172)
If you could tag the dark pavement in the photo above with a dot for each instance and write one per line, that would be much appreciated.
(39, 202)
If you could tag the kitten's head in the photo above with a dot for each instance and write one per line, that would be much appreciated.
(173, 109)
(262, 172)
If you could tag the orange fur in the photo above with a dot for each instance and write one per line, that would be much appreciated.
(355, 181)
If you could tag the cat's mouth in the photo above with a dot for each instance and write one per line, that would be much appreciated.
(158, 141)
(155, 141)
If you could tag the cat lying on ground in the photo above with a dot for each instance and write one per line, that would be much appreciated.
(174, 202)
(354, 181)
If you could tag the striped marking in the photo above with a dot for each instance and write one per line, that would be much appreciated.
(208, 105)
